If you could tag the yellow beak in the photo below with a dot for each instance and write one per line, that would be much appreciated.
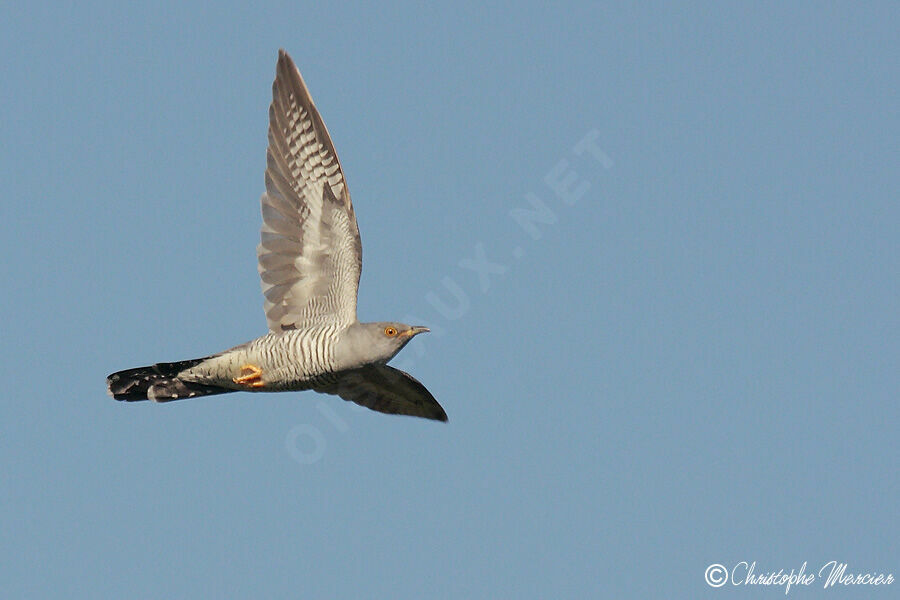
(414, 331)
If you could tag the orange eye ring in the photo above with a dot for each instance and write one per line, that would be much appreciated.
(390, 331)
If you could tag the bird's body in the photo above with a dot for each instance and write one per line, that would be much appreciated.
(310, 259)
(291, 360)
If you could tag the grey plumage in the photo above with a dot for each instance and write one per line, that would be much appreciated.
(310, 255)
(310, 258)
(386, 390)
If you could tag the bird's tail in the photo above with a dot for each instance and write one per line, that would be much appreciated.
(158, 382)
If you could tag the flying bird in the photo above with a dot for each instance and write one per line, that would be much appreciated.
(310, 259)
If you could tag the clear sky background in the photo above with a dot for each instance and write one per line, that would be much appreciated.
(688, 356)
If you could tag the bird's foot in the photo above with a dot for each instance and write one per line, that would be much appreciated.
(251, 376)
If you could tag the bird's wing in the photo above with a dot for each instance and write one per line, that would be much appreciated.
(310, 254)
(386, 390)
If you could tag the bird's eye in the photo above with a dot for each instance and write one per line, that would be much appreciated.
(390, 331)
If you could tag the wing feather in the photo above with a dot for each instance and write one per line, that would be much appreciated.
(309, 254)
(387, 390)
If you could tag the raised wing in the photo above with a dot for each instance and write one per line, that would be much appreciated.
(387, 390)
(310, 254)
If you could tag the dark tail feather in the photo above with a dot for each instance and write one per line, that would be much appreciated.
(158, 382)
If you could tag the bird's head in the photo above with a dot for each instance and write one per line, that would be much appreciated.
(365, 343)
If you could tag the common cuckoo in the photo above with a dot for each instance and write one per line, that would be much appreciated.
(309, 263)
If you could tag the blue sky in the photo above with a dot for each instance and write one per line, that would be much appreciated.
(685, 354)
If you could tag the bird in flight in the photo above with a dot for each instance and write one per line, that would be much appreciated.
(310, 258)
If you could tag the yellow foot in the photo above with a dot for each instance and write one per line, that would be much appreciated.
(251, 375)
